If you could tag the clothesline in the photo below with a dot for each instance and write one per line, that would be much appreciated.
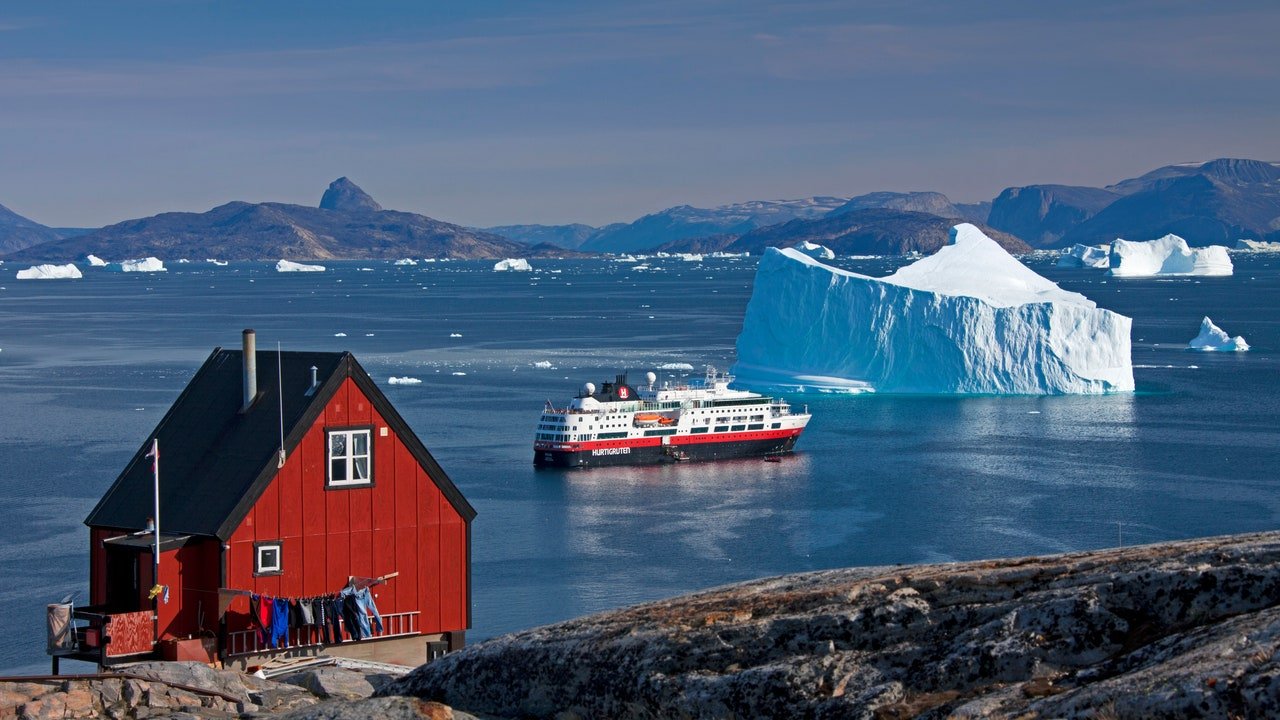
(354, 582)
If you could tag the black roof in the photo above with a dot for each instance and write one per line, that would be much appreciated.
(215, 461)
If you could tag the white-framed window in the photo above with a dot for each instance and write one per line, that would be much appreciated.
(267, 558)
(350, 458)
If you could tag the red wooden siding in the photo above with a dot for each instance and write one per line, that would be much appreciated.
(400, 524)
(191, 572)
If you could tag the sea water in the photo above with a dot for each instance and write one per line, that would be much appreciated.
(88, 367)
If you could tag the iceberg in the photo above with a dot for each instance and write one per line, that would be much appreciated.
(1169, 255)
(95, 261)
(1214, 339)
(968, 319)
(50, 272)
(814, 250)
(543, 365)
(393, 380)
(406, 261)
(512, 264)
(147, 264)
(1086, 256)
(1257, 245)
(287, 266)
(215, 261)
(675, 366)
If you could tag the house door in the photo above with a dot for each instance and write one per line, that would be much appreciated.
(128, 579)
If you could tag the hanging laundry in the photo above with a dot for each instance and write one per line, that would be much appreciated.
(368, 607)
(280, 623)
(353, 617)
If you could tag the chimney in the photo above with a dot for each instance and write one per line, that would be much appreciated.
(314, 382)
(250, 369)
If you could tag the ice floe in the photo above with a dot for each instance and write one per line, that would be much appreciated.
(675, 365)
(814, 250)
(1086, 256)
(1214, 339)
(290, 266)
(512, 264)
(1169, 255)
(147, 264)
(95, 261)
(403, 381)
(968, 319)
(406, 261)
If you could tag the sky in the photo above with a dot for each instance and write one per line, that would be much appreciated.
(488, 113)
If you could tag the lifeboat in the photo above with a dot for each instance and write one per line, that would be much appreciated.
(642, 419)
(666, 421)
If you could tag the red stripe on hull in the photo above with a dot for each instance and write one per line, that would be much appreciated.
(730, 437)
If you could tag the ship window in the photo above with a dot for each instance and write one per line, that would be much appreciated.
(737, 428)
(722, 428)
(267, 558)
(777, 425)
(697, 430)
(350, 458)
(756, 426)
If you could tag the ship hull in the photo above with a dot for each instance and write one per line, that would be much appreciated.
(658, 454)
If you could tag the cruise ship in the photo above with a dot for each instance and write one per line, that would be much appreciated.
(622, 424)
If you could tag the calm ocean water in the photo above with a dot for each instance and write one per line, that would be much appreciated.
(88, 367)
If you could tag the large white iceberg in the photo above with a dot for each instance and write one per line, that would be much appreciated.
(968, 319)
(290, 266)
(1214, 339)
(50, 272)
(814, 250)
(1086, 256)
(512, 264)
(1169, 255)
(95, 261)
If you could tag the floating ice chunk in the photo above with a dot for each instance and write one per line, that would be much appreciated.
(690, 257)
(95, 261)
(512, 264)
(674, 365)
(403, 381)
(1257, 245)
(968, 319)
(289, 266)
(406, 261)
(814, 250)
(459, 374)
(147, 264)
(455, 334)
(721, 254)
(339, 334)
(214, 261)
(1214, 339)
(50, 272)
(626, 259)
(1088, 256)
(1169, 255)
(183, 261)
(543, 364)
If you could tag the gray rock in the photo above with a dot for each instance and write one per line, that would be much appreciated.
(385, 708)
(332, 682)
(1172, 630)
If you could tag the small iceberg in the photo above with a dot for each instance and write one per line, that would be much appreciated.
(455, 334)
(50, 272)
(543, 364)
(339, 334)
(404, 381)
(675, 366)
(1257, 245)
(459, 374)
(690, 257)
(1086, 256)
(816, 251)
(406, 261)
(215, 261)
(287, 266)
(1214, 339)
(147, 264)
(512, 264)
(95, 261)
(1169, 255)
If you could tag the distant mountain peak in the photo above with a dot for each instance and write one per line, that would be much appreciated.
(347, 196)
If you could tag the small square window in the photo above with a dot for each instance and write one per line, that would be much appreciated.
(350, 458)
(267, 559)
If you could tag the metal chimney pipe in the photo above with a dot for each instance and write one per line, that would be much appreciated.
(250, 368)
(314, 382)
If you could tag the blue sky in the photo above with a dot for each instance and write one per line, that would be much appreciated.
(488, 113)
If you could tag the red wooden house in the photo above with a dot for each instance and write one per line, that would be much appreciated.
(285, 475)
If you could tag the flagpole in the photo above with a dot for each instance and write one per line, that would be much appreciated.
(155, 467)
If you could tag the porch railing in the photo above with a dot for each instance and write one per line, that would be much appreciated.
(248, 642)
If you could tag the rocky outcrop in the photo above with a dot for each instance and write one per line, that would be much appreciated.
(1188, 629)
(345, 196)
(1042, 214)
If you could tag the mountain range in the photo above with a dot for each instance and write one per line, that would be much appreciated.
(1214, 202)
(348, 224)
